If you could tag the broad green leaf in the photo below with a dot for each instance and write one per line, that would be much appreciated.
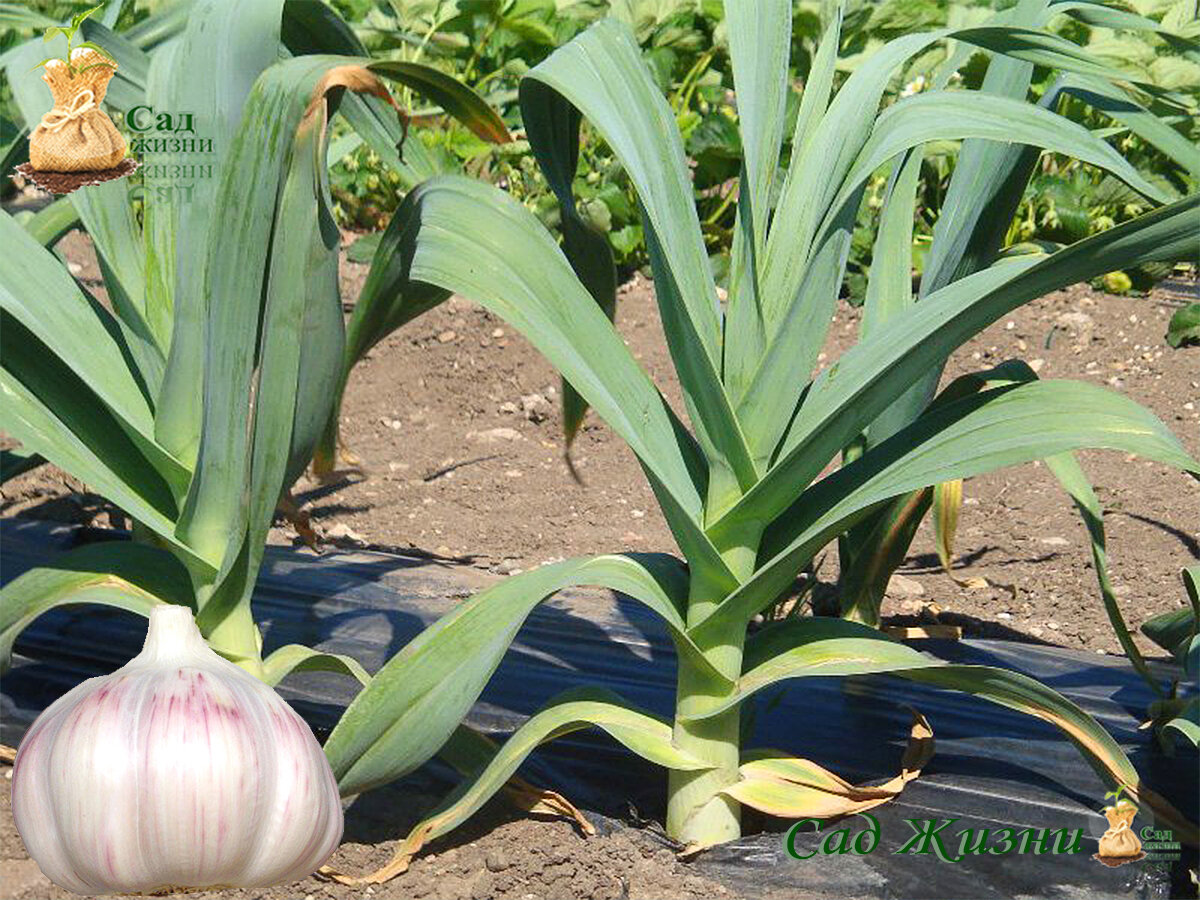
(415, 701)
(553, 131)
(81, 436)
(1117, 104)
(182, 273)
(37, 291)
(865, 379)
(130, 576)
(759, 44)
(999, 427)
(985, 190)
(646, 735)
(48, 225)
(633, 117)
(746, 328)
(955, 115)
(1184, 328)
(602, 75)
(451, 95)
(297, 658)
(214, 518)
(1176, 631)
(889, 285)
(521, 275)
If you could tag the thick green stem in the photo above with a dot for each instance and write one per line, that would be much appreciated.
(236, 638)
(696, 812)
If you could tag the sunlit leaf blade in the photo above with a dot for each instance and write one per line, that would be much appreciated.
(179, 227)
(451, 95)
(126, 575)
(864, 380)
(959, 439)
(956, 115)
(553, 131)
(237, 271)
(37, 291)
(415, 701)
(602, 75)
(760, 41)
(635, 120)
(1065, 467)
(644, 734)
(521, 275)
(1029, 696)
(290, 658)
(1116, 103)
(52, 411)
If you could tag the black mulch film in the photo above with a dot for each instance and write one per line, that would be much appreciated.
(993, 768)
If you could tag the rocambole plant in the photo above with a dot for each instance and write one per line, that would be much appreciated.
(740, 482)
(216, 294)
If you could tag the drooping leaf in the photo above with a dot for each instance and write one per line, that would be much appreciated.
(125, 575)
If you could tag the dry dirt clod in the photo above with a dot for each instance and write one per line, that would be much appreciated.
(903, 586)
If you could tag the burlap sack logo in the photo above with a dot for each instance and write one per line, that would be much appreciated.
(1119, 844)
(76, 143)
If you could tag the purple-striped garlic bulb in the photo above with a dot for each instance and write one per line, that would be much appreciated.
(179, 770)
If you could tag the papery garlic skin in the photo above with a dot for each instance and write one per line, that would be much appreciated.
(179, 770)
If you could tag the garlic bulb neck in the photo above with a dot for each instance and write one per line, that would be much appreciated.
(172, 636)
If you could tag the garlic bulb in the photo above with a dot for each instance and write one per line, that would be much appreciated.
(179, 770)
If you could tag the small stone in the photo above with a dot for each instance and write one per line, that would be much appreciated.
(497, 860)
(1010, 325)
(903, 586)
(1055, 541)
(494, 435)
(447, 336)
(1036, 364)
(343, 532)
(1075, 321)
(508, 407)
(536, 407)
(1052, 625)
(637, 513)
(1189, 406)
(497, 332)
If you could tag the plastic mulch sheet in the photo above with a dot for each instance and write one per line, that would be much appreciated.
(993, 768)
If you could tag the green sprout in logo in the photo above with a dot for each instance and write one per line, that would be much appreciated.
(68, 31)
(1116, 796)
